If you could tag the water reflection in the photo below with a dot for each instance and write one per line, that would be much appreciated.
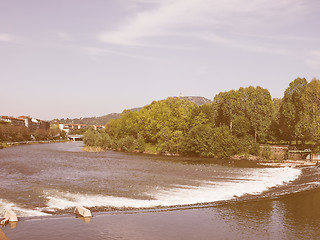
(296, 216)
(302, 214)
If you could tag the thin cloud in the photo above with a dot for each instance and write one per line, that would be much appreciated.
(5, 37)
(64, 36)
(313, 59)
(246, 45)
(97, 52)
(194, 18)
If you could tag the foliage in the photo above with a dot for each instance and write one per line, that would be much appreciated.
(10, 133)
(208, 141)
(236, 122)
(266, 152)
(311, 111)
(78, 131)
(291, 108)
(41, 134)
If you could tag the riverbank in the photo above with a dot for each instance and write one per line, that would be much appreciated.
(291, 163)
(10, 144)
(258, 159)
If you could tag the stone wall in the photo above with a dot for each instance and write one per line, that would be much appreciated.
(279, 152)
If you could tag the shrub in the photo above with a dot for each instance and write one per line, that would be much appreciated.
(266, 152)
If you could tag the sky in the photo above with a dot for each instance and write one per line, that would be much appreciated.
(85, 58)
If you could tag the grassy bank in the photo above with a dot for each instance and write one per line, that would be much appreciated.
(10, 144)
(93, 149)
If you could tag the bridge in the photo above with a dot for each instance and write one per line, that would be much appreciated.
(75, 137)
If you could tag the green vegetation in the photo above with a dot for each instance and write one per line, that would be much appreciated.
(10, 133)
(236, 122)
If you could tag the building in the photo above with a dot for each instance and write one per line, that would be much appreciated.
(96, 127)
(13, 121)
(44, 125)
(69, 127)
(31, 123)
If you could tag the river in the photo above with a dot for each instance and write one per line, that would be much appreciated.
(137, 196)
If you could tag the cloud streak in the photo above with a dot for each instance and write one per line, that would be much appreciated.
(313, 59)
(193, 19)
(5, 37)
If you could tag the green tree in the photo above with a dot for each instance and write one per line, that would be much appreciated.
(208, 141)
(291, 109)
(258, 107)
(228, 106)
(275, 134)
(89, 138)
(310, 122)
(176, 140)
(41, 134)
(164, 136)
(241, 126)
(140, 143)
(253, 103)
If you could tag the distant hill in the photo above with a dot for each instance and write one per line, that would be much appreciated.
(197, 100)
(89, 120)
(106, 118)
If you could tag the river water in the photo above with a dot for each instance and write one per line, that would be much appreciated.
(154, 197)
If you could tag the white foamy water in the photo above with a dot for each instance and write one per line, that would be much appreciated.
(55, 177)
(20, 211)
(254, 181)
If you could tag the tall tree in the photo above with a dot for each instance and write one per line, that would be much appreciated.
(229, 106)
(292, 108)
(310, 122)
(259, 111)
(275, 120)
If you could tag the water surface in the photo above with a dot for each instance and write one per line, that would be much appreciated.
(132, 195)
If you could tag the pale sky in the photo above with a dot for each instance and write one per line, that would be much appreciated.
(79, 58)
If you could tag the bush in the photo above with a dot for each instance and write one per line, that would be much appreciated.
(266, 152)
(140, 144)
(89, 138)
(254, 149)
(208, 141)
(128, 143)
(316, 149)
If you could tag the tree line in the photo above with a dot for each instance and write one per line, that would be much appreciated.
(236, 122)
(11, 133)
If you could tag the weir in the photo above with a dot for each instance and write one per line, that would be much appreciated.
(9, 216)
(83, 212)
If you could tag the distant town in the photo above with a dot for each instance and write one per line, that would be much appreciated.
(26, 129)
(34, 124)
(31, 123)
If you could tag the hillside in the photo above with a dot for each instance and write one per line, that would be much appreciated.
(89, 120)
(106, 118)
(197, 100)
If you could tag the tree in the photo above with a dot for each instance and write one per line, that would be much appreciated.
(164, 136)
(41, 134)
(241, 126)
(258, 107)
(291, 108)
(140, 143)
(229, 106)
(89, 138)
(176, 140)
(253, 103)
(208, 141)
(274, 133)
(309, 122)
